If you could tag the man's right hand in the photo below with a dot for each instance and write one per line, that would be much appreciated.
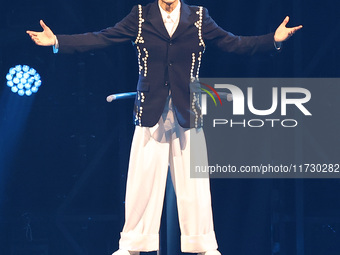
(44, 38)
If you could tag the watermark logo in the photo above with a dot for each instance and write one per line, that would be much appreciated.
(211, 95)
(272, 128)
(244, 99)
(238, 99)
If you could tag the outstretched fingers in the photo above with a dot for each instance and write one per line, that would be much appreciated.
(43, 25)
(43, 38)
(31, 33)
(294, 29)
(297, 28)
(285, 21)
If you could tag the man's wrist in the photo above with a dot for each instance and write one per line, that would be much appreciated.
(56, 46)
(277, 45)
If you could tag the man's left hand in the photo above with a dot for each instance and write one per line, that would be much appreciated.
(283, 33)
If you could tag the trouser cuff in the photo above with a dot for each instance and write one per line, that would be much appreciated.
(200, 243)
(138, 242)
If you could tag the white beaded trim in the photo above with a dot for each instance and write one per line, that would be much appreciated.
(196, 103)
(138, 117)
(199, 64)
(193, 62)
(140, 38)
(192, 67)
(140, 67)
(194, 99)
(199, 24)
(139, 109)
(142, 97)
(145, 60)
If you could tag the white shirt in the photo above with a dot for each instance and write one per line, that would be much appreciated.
(171, 20)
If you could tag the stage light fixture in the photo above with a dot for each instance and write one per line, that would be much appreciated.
(23, 80)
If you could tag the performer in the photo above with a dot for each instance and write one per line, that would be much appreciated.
(170, 38)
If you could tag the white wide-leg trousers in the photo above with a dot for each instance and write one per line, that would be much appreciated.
(153, 150)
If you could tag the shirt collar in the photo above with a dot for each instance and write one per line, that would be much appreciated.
(174, 15)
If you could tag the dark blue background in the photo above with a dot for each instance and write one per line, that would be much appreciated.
(64, 152)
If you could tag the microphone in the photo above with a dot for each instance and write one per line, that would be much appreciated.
(126, 95)
(119, 96)
(226, 95)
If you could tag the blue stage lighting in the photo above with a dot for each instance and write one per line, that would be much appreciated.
(14, 89)
(23, 80)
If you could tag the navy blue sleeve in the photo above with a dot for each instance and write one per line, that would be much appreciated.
(226, 41)
(123, 31)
